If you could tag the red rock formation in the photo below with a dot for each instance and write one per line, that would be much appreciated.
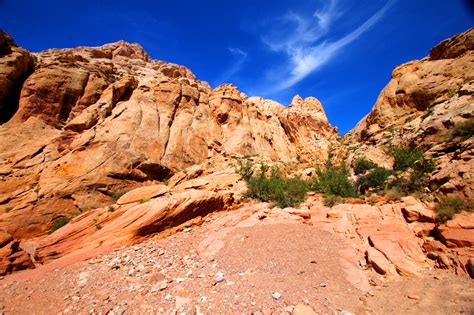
(16, 64)
(92, 120)
(420, 106)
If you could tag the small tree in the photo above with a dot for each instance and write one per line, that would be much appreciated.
(374, 179)
(361, 165)
(405, 157)
(334, 180)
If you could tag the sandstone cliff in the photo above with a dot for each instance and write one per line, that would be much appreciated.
(89, 121)
(421, 106)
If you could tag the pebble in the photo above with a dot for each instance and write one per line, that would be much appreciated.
(289, 309)
(219, 277)
(344, 312)
(276, 295)
(413, 297)
(323, 285)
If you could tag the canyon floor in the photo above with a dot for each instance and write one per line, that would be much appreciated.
(235, 262)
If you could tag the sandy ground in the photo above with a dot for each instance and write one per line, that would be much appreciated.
(266, 268)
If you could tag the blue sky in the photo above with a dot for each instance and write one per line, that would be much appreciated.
(340, 51)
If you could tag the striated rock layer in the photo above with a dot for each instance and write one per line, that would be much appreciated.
(422, 104)
(94, 120)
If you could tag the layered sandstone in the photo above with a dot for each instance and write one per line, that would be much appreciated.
(95, 120)
(420, 106)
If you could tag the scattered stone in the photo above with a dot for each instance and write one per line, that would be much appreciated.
(219, 277)
(276, 295)
(413, 297)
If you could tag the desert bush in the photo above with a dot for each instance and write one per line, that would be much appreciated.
(361, 165)
(405, 157)
(331, 200)
(117, 194)
(374, 179)
(275, 188)
(418, 178)
(59, 223)
(244, 168)
(464, 129)
(334, 180)
(448, 207)
(392, 194)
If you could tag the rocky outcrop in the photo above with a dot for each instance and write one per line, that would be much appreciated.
(95, 120)
(12, 257)
(422, 104)
(15, 65)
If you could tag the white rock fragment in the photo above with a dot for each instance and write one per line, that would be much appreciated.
(276, 295)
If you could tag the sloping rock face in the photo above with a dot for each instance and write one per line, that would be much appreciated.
(94, 120)
(422, 104)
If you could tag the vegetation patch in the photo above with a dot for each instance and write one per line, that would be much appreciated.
(244, 168)
(404, 156)
(334, 180)
(331, 200)
(448, 207)
(464, 129)
(374, 179)
(361, 165)
(117, 194)
(286, 192)
(59, 223)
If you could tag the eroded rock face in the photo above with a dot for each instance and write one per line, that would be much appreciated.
(93, 120)
(420, 106)
(15, 65)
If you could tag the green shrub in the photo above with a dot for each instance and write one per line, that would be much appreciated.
(393, 194)
(424, 166)
(464, 129)
(111, 208)
(405, 157)
(244, 168)
(448, 207)
(285, 192)
(117, 194)
(361, 165)
(331, 200)
(375, 179)
(59, 223)
(334, 180)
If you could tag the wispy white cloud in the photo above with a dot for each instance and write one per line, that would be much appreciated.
(305, 41)
(239, 57)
